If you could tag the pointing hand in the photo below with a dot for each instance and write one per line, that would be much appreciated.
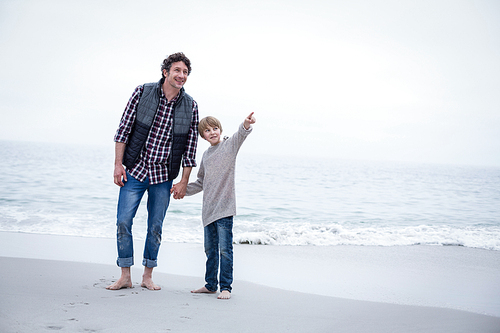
(249, 120)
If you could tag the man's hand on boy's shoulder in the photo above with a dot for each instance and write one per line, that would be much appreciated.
(248, 121)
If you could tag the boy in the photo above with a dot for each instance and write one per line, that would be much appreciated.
(216, 180)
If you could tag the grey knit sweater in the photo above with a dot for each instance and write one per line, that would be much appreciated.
(216, 178)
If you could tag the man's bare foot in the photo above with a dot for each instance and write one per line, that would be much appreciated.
(125, 281)
(147, 279)
(225, 294)
(202, 290)
(148, 283)
(120, 284)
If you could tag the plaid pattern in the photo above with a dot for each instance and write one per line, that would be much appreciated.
(153, 160)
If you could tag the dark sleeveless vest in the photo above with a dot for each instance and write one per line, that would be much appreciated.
(146, 112)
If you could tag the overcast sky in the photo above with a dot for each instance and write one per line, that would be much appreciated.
(377, 80)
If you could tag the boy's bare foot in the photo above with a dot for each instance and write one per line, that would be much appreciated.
(225, 294)
(147, 279)
(202, 290)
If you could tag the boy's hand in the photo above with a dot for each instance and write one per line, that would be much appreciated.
(248, 121)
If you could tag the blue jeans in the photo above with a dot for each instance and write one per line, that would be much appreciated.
(219, 238)
(128, 202)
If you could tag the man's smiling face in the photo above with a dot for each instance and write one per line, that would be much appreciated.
(177, 76)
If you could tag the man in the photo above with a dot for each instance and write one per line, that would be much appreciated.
(157, 131)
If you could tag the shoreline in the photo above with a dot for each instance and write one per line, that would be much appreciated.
(40, 295)
(454, 278)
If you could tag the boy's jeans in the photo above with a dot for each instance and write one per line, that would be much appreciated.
(128, 202)
(219, 237)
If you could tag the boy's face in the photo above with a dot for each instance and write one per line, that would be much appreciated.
(212, 135)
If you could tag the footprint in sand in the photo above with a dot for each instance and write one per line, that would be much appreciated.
(54, 328)
(73, 304)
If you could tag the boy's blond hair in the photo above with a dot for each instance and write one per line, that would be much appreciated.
(208, 122)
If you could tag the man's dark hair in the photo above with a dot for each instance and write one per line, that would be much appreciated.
(179, 56)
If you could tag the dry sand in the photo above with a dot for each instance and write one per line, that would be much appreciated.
(40, 295)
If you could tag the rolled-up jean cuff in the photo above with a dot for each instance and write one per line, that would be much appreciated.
(149, 263)
(125, 262)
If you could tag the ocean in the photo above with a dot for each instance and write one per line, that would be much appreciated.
(64, 189)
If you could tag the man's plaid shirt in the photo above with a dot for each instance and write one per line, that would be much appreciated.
(153, 160)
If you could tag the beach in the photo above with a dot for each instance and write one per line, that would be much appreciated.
(57, 283)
